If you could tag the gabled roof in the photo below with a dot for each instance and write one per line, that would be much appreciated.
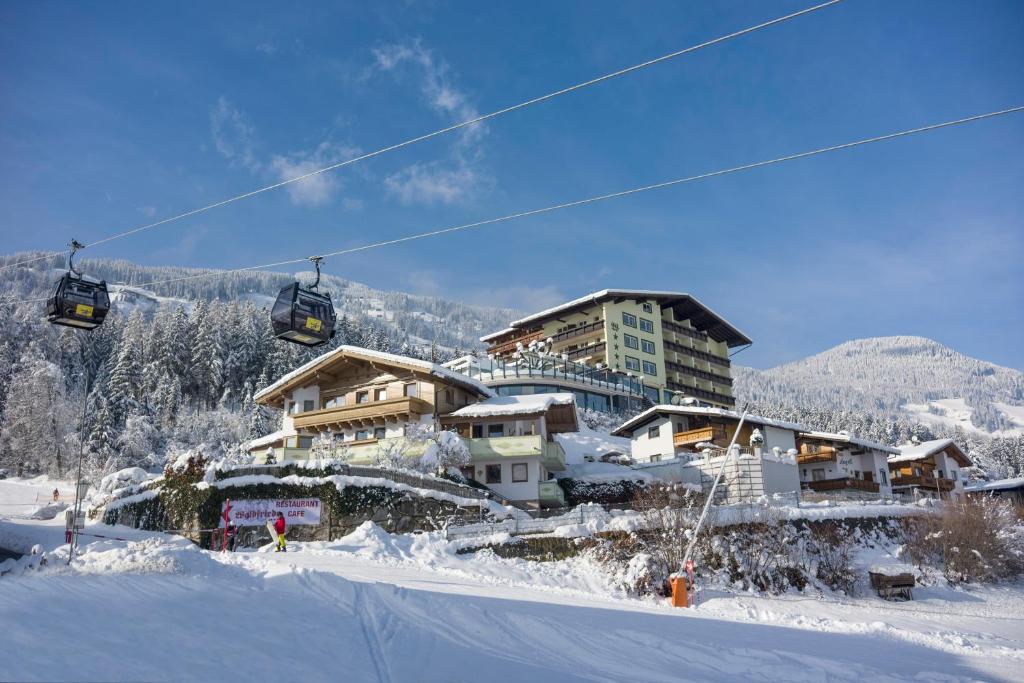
(687, 307)
(998, 485)
(302, 375)
(659, 410)
(927, 449)
(847, 438)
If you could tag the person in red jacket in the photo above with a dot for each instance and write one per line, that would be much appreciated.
(279, 527)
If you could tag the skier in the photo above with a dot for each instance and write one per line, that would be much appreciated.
(232, 532)
(279, 527)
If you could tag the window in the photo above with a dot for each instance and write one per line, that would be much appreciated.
(335, 402)
(632, 363)
(883, 477)
(647, 346)
(307, 405)
(449, 395)
(654, 432)
(648, 308)
(940, 474)
(520, 472)
(646, 325)
(362, 434)
(492, 474)
(650, 368)
(378, 433)
(655, 458)
(410, 390)
(380, 394)
(631, 341)
(478, 431)
(628, 319)
(305, 442)
(362, 397)
(818, 474)
(494, 430)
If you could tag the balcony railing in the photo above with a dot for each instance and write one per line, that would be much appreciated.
(846, 483)
(694, 372)
(924, 482)
(510, 345)
(695, 353)
(551, 494)
(701, 393)
(684, 330)
(825, 454)
(496, 447)
(695, 436)
(587, 351)
(590, 328)
(364, 414)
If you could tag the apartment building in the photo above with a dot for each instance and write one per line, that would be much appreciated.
(931, 468)
(832, 462)
(512, 446)
(356, 400)
(669, 341)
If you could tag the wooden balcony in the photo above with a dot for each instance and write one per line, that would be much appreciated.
(508, 345)
(696, 436)
(374, 413)
(846, 483)
(823, 454)
(924, 482)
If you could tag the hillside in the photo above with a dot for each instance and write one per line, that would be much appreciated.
(407, 318)
(896, 377)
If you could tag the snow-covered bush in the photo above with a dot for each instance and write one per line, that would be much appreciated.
(976, 541)
(445, 450)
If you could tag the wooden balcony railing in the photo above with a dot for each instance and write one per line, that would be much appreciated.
(842, 484)
(508, 346)
(924, 482)
(695, 436)
(823, 454)
(587, 351)
(368, 414)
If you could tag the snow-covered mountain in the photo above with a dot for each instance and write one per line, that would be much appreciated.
(911, 377)
(419, 320)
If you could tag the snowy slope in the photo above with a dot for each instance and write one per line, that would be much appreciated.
(893, 376)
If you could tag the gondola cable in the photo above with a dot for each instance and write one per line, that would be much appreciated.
(448, 129)
(588, 200)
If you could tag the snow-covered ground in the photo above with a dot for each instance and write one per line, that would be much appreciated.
(954, 412)
(375, 607)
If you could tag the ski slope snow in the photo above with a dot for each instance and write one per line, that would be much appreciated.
(377, 607)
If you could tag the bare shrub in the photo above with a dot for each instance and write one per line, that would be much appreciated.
(976, 541)
(833, 549)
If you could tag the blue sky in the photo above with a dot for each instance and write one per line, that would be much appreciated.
(116, 114)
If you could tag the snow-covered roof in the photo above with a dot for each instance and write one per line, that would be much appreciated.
(665, 409)
(718, 328)
(999, 484)
(847, 438)
(267, 440)
(388, 358)
(529, 404)
(925, 449)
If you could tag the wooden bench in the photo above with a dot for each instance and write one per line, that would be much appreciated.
(893, 586)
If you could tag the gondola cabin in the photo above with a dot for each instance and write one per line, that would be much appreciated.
(79, 301)
(303, 316)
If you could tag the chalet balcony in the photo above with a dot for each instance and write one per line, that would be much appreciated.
(692, 437)
(587, 351)
(844, 484)
(823, 454)
(360, 415)
(924, 482)
(508, 345)
(551, 454)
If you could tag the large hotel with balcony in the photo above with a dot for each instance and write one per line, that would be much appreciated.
(668, 342)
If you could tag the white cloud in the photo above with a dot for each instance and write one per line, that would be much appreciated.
(439, 92)
(317, 189)
(233, 135)
(147, 211)
(435, 183)
(520, 297)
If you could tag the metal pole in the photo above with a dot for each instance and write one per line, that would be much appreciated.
(78, 480)
(711, 495)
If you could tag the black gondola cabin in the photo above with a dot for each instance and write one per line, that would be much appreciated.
(79, 301)
(303, 316)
